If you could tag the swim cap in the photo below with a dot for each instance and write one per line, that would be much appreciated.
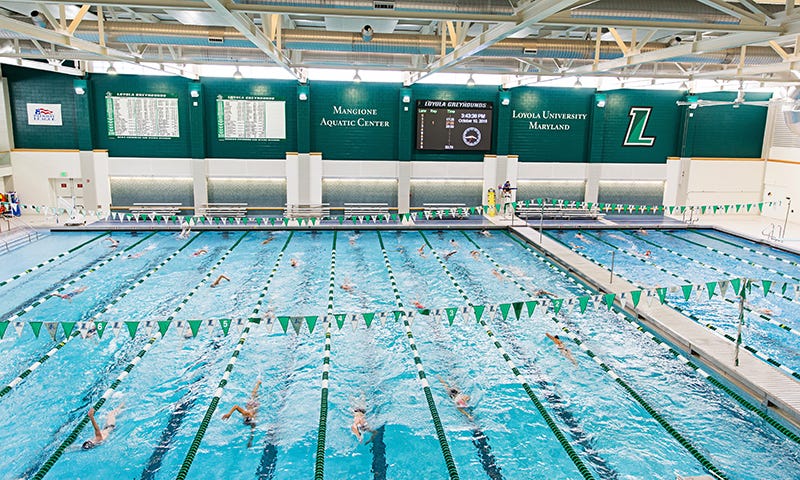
(88, 444)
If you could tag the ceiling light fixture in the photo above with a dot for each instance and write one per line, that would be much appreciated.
(684, 86)
(578, 83)
(111, 70)
(237, 75)
(470, 81)
(357, 77)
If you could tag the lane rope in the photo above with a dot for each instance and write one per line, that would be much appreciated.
(573, 455)
(423, 379)
(188, 459)
(322, 429)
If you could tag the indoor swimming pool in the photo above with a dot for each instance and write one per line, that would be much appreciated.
(610, 405)
(771, 327)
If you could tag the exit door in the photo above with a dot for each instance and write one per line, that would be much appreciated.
(68, 192)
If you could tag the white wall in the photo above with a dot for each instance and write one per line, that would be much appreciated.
(716, 181)
(34, 169)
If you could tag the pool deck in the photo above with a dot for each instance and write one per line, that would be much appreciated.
(771, 387)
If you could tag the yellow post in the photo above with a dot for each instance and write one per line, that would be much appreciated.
(491, 201)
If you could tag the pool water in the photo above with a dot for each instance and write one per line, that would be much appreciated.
(170, 396)
(698, 256)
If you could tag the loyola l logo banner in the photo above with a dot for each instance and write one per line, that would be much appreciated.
(635, 135)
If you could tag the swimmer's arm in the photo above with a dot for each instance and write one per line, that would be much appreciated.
(254, 393)
(465, 412)
(97, 432)
(442, 381)
(235, 408)
(550, 336)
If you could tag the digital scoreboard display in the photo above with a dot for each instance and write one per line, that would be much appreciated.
(454, 125)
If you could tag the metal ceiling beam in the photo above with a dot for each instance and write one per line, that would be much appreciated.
(734, 11)
(530, 14)
(57, 38)
(246, 27)
(565, 20)
(48, 67)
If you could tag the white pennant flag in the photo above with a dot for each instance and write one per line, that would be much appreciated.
(723, 287)
(18, 327)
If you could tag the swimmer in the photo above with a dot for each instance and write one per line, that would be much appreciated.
(353, 239)
(450, 254)
(454, 244)
(498, 275)
(347, 286)
(418, 305)
(68, 296)
(136, 255)
(421, 250)
(219, 279)
(485, 233)
(200, 252)
(294, 262)
(360, 425)
(249, 412)
(641, 231)
(540, 292)
(575, 247)
(265, 242)
(460, 399)
(114, 242)
(100, 435)
(563, 348)
(761, 310)
(475, 254)
(579, 236)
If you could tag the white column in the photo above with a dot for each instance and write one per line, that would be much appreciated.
(314, 179)
(403, 188)
(199, 183)
(292, 178)
(592, 190)
(490, 176)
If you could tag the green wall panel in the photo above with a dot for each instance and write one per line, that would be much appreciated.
(550, 124)
(252, 191)
(128, 147)
(127, 191)
(354, 121)
(273, 149)
(34, 86)
(662, 125)
(468, 192)
(338, 191)
(479, 93)
(724, 131)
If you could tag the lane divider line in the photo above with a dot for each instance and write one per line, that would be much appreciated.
(571, 453)
(188, 459)
(73, 435)
(50, 260)
(322, 429)
(685, 443)
(423, 379)
(19, 378)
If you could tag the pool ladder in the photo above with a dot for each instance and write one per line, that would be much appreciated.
(775, 233)
(28, 234)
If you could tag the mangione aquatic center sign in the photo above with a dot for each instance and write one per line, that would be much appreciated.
(354, 117)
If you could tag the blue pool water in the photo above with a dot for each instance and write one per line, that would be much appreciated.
(168, 393)
(695, 263)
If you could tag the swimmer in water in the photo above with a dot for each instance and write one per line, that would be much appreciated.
(68, 296)
(200, 252)
(294, 262)
(485, 233)
(265, 242)
(219, 279)
(460, 399)
(114, 242)
(454, 244)
(475, 254)
(347, 286)
(421, 250)
(450, 254)
(579, 236)
(136, 255)
(418, 305)
(360, 426)
(563, 348)
(540, 292)
(498, 275)
(100, 435)
(641, 231)
(249, 412)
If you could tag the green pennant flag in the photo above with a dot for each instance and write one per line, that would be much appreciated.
(163, 325)
(736, 283)
(244, 220)
(132, 326)
(340, 319)
(272, 221)
(539, 201)
(313, 220)
(398, 314)
(557, 303)
(424, 311)
(67, 327)
(749, 206)
(517, 309)
(284, 321)
(761, 206)
(531, 306)
(194, 325)
(478, 311)
(683, 208)
(504, 308)
(394, 217)
(368, 318)
(589, 205)
(311, 321)
(583, 301)
(99, 326)
(225, 323)
(726, 208)
(635, 296)
(451, 314)
(711, 287)
(3, 328)
(783, 291)
(703, 209)
(738, 206)
(767, 284)
(354, 219)
(36, 327)
(609, 299)
(687, 291)
(662, 294)
(286, 221)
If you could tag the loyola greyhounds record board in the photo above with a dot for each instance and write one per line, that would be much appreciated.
(454, 125)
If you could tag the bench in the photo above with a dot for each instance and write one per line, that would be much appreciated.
(365, 209)
(163, 209)
(307, 210)
(437, 210)
(555, 212)
(235, 210)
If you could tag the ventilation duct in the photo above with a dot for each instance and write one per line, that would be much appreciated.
(476, 7)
